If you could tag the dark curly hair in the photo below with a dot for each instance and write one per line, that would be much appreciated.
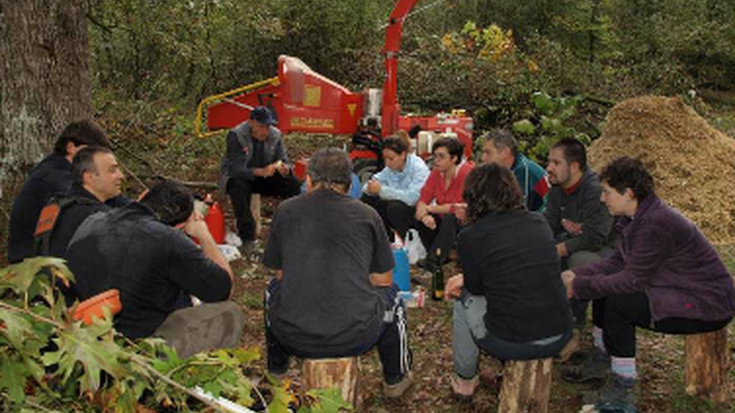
(171, 201)
(84, 132)
(627, 172)
(454, 146)
(489, 189)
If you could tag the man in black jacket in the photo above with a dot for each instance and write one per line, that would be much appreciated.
(580, 221)
(52, 176)
(143, 250)
(97, 179)
(255, 162)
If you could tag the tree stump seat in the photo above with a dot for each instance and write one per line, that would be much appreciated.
(526, 386)
(707, 365)
(340, 373)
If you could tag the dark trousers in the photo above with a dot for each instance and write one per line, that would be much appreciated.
(392, 342)
(396, 215)
(619, 315)
(240, 191)
(443, 237)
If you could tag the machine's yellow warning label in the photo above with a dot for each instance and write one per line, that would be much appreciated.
(312, 96)
(351, 107)
(312, 123)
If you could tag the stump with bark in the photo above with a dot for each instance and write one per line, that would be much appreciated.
(707, 365)
(340, 373)
(526, 386)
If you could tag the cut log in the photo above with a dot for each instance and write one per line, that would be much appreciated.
(526, 386)
(707, 365)
(255, 210)
(338, 373)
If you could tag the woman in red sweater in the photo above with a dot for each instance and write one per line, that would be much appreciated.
(440, 211)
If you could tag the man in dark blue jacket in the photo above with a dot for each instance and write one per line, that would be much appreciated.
(52, 176)
(255, 162)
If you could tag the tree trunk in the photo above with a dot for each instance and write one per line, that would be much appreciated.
(526, 386)
(45, 80)
(707, 365)
(332, 373)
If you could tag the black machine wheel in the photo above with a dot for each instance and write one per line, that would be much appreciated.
(364, 168)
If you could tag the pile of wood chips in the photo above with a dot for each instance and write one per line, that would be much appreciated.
(692, 163)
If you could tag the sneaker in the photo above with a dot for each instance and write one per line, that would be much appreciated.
(595, 367)
(617, 390)
(396, 390)
(247, 248)
(464, 389)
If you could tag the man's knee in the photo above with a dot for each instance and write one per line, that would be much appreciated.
(205, 327)
(583, 258)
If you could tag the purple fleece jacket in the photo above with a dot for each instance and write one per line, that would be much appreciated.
(661, 252)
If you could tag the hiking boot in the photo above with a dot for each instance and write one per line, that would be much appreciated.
(396, 390)
(464, 389)
(595, 367)
(617, 390)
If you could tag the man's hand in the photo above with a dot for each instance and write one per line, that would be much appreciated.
(561, 249)
(574, 228)
(383, 279)
(373, 187)
(429, 221)
(453, 287)
(266, 171)
(196, 227)
(567, 277)
(460, 211)
(282, 168)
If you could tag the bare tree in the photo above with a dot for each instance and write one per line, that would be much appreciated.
(45, 79)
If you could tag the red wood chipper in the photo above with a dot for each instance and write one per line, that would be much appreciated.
(305, 101)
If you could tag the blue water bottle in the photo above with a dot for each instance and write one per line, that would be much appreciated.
(401, 276)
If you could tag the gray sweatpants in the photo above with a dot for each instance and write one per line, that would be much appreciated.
(470, 335)
(204, 327)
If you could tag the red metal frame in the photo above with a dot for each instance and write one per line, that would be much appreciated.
(304, 100)
(391, 110)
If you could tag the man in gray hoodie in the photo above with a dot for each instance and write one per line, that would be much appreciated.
(580, 222)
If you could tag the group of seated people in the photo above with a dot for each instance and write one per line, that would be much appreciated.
(535, 246)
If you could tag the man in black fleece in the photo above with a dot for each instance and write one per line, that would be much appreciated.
(52, 176)
(580, 222)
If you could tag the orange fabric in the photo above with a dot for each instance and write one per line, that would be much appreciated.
(48, 217)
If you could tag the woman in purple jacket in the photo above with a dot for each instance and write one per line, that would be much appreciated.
(664, 276)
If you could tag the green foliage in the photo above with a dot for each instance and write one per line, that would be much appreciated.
(49, 360)
(549, 123)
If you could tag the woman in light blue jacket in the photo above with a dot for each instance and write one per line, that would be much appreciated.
(394, 191)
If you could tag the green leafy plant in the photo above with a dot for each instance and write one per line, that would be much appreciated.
(49, 359)
(548, 123)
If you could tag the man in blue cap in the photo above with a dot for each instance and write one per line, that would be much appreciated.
(255, 162)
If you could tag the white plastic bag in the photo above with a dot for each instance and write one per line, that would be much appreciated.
(413, 246)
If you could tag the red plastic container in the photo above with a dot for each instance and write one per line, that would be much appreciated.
(93, 306)
(215, 221)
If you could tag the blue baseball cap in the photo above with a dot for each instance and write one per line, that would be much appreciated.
(262, 114)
